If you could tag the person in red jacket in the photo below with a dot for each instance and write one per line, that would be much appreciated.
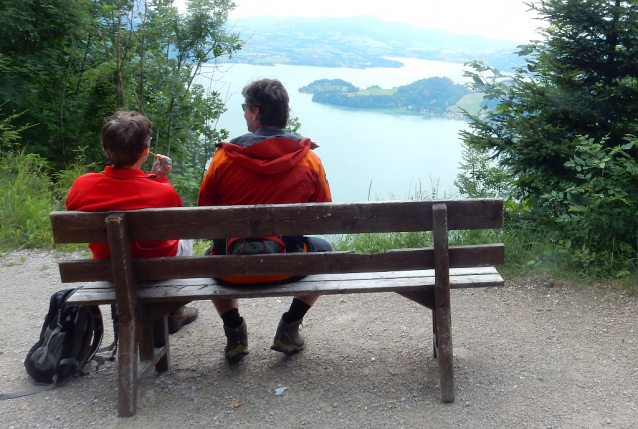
(265, 166)
(126, 137)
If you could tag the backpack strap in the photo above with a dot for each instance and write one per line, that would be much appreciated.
(96, 315)
(113, 346)
(30, 392)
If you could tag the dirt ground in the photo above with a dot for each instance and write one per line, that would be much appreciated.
(531, 354)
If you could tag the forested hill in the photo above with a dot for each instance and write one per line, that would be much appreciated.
(329, 85)
(433, 95)
(361, 42)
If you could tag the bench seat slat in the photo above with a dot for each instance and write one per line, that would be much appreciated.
(206, 288)
(289, 264)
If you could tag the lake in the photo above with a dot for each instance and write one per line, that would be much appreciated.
(368, 155)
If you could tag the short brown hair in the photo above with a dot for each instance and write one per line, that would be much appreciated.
(125, 135)
(272, 99)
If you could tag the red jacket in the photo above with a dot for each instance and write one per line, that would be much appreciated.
(124, 189)
(275, 170)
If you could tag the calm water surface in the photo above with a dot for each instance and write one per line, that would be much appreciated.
(368, 155)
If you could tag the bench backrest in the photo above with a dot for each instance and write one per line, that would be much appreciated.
(290, 219)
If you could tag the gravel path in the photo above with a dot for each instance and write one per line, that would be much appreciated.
(528, 355)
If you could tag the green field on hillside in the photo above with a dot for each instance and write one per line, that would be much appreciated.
(376, 90)
(469, 102)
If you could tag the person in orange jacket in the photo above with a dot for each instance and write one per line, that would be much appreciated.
(126, 138)
(265, 166)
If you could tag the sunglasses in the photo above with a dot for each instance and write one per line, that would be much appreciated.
(243, 107)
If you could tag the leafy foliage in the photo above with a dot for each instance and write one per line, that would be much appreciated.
(596, 212)
(27, 199)
(580, 81)
(292, 126)
(68, 64)
(559, 126)
(480, 177)
(9, 135)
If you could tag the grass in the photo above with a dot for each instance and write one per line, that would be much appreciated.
(527, 252)
(13, 264)
(200, 247)
(28, 194)
(26, 198)
(469, 102)
(375, 90)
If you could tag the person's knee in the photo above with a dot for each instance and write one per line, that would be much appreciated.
(185, 247)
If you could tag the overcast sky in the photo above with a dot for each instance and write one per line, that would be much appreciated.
(501, 19)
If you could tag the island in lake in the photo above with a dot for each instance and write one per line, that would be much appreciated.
(434, 95)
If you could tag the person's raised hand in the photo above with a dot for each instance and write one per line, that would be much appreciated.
(162, 165)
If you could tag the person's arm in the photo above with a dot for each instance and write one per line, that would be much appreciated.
(207, 192)
(322, 190)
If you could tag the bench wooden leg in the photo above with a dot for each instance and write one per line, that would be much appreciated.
(160, 340)
(435, 346)
(444, 351)
(127, 368)
(442, 314)
(144, 334)
(153, 340)
(126, 298)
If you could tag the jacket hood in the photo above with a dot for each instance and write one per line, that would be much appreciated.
(271, 156)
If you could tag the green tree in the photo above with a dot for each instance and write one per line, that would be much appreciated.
(579, 81)
(69, 64)
(173, 95)
(480, 177)
(49, 69)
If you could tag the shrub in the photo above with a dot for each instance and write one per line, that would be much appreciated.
(26, 192)
(595, 215)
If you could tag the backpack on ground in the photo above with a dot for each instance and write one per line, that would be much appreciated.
(69, 339)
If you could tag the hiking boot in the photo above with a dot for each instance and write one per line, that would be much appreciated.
(237, 345)
(287, 339)
(180, 317)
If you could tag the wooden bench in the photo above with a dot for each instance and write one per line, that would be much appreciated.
(146, 290)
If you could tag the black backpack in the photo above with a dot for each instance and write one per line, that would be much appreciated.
(70, 338)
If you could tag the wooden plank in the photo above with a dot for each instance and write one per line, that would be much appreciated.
(144, 333)
(423, 297)
(145, 366)
(161, 342)
(327, 284)
(288, 219)
(126, 299)
(442, 311)
(283, 264)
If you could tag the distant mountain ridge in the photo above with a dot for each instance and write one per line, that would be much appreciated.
(360, 42)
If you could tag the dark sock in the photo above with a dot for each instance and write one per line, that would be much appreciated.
(297, 311)
(232, 319)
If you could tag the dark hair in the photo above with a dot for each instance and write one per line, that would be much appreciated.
(272, 99)
(125, 135)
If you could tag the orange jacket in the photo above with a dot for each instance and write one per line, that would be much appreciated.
(275, 170)
(266, 167)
